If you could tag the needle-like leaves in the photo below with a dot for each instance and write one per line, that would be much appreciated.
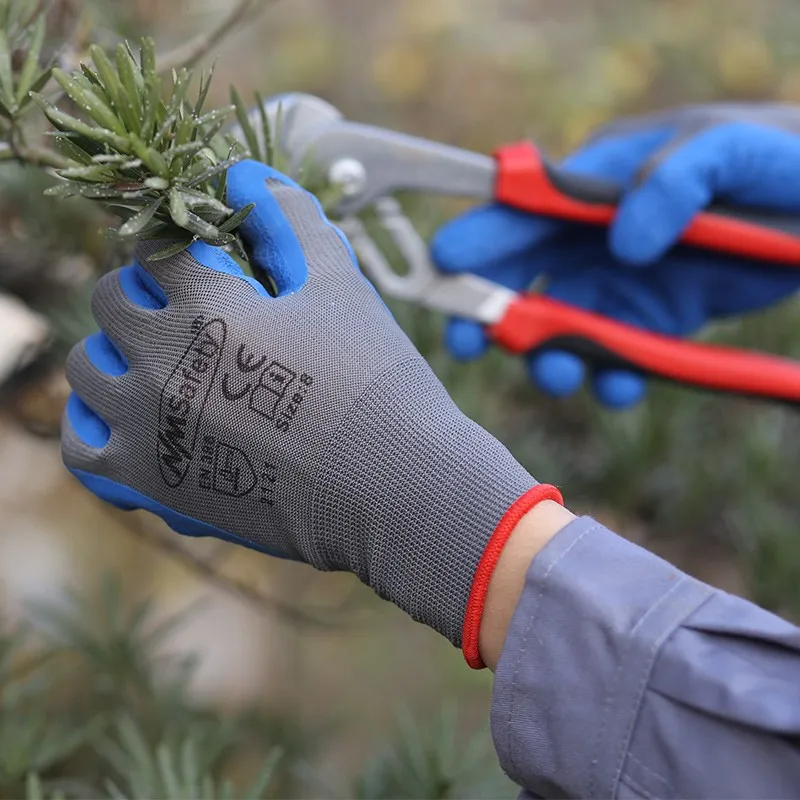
(136, 142)
(237, 219)
(22, 36)
(6, 76)
(132, 139)
(130, 97)
(30, 67)
(139, 221)
(244, 123)
(89, 101)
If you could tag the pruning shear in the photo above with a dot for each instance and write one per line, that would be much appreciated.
(369, 164)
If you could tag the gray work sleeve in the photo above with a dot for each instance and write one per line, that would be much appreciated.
(622, 677)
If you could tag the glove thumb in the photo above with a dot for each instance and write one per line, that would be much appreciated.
(268, 231)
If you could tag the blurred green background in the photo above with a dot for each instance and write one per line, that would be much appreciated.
(269, 655)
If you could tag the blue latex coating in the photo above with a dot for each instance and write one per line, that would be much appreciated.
(558, 373)
(466, 340)
(86, 423)
(127, 499)
(141, 288)
(104, 355)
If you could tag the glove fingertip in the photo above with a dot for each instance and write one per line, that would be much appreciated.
(653, 217)
(249, 182)
(446, 246)
(639, 237)
(557, 373)
(271, 240)
(465, 340)
(619, 389)
(248, 177)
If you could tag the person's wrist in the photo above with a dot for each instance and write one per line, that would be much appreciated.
(530, 533)
(493, 552)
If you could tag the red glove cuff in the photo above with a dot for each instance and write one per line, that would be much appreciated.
(488, 562)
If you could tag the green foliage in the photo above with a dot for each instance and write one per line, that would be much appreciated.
(434, 763)
(22, 35)
(148, 153)
(182, 771)
(98, 711)
(121, 642)
(259, 138)
(31, 740)
(134, 143)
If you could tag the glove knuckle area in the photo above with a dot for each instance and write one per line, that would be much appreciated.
(171, 280)
(324, 247)
(88, 373)
(141, 332)
(716, 157)
(91, 453)
(140, 288)
(118, 307)
(104, 420)
(663, 176)
(84, 436)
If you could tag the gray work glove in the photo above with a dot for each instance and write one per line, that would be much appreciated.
(305, 425)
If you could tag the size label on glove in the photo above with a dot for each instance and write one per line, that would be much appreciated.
(295, 401)
(269, 388)
(183, 401)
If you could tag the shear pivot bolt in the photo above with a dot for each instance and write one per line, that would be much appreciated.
(349, 175)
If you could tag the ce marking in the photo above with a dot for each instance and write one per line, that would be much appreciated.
(246, 364)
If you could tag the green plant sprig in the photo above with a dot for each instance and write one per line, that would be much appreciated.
(22, 35)
(153, 157)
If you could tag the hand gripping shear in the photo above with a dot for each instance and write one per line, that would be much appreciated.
(369, 164)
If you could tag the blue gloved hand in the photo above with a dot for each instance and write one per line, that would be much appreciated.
(673, 165)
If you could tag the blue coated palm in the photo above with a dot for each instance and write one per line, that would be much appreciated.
(747, 155)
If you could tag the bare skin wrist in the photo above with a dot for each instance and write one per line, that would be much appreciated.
(532, 533)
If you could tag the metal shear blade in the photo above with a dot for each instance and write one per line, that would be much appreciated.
(468, 296)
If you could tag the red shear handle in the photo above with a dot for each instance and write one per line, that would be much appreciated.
(526, 181)
(535, 321)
